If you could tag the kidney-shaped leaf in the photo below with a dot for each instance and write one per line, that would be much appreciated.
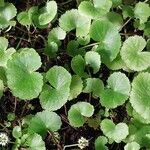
(78, 112)
(24, 82)
(56, 96)
(117, 91)
(93, 59)
(5, 54)
(100, 143)
(132, 55)
(132, 146)
(44, 121)
(140, 95)
(107, 35)
(115, 132)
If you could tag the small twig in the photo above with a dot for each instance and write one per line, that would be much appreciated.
(90, 45)
(72, 145)
(15, 105)
(125, 24)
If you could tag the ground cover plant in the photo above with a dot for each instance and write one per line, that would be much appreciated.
(74, 74)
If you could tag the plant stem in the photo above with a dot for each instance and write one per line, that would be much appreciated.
(90, 45)
(67, 146)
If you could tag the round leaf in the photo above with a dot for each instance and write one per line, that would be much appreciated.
(132, 146)
(117, 91)
(139, 97)
(24, 82)
(44, 121)
(78, 112)
(107, 35)
(100, 143)
(93, 59)
(55, 97)
(115, 132)
(132, 55)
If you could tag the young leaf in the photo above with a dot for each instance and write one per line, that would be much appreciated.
(33, 142)
(93, 59)
(24, 82)
(5, 54)
(115, 132)
(49, 13)
(75, 87)
(107, 35)
(74, 20)
(142, 11)
(139, 97)
(24, 18)
(96, 9)
(17, 133)
(44, 121)
(78, 65)
(117, 91)
(8, 11)
(78, 112)
(94, 85)
(132, 55)
(132, 146)
(54, 97)
(100, 143)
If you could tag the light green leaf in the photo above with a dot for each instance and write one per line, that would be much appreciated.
(132, 146)
(23, 81)
(74, 20)
(17, 133)
(75, 87)
(107, 35)
(139, 97)
(117, 91)
(8, 11)
(43, 122)
(24, 18)
(96, 9)
(115, 132)
(94, 85)
(54, 97)
(132, 55)
(33, 142)
(78, 65)
(142, 11)
(93, 59)
(49, 13)
(100, 143)
(78, 112)
(1, 88)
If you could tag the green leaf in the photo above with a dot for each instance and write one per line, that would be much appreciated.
(100, 143)
(23, 81)
(78, 112)
(115, 132)
(2, 3)
(107, 35)
(50, 11)
(8, 11)
(74, 20)
(75, 87)
(78, 65)
(132, 146)
(43, 122)
(132, 55)
(142, 11)
(24, 18)
(54, 97)
(139, 97)
(34, 142)
(116, 19)
(93, 59)
(5, 54)
(117, 91)
(73, 48)
(96, 9)
(116, 3)
(94, 85)
(127, 11)
(17, 133)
